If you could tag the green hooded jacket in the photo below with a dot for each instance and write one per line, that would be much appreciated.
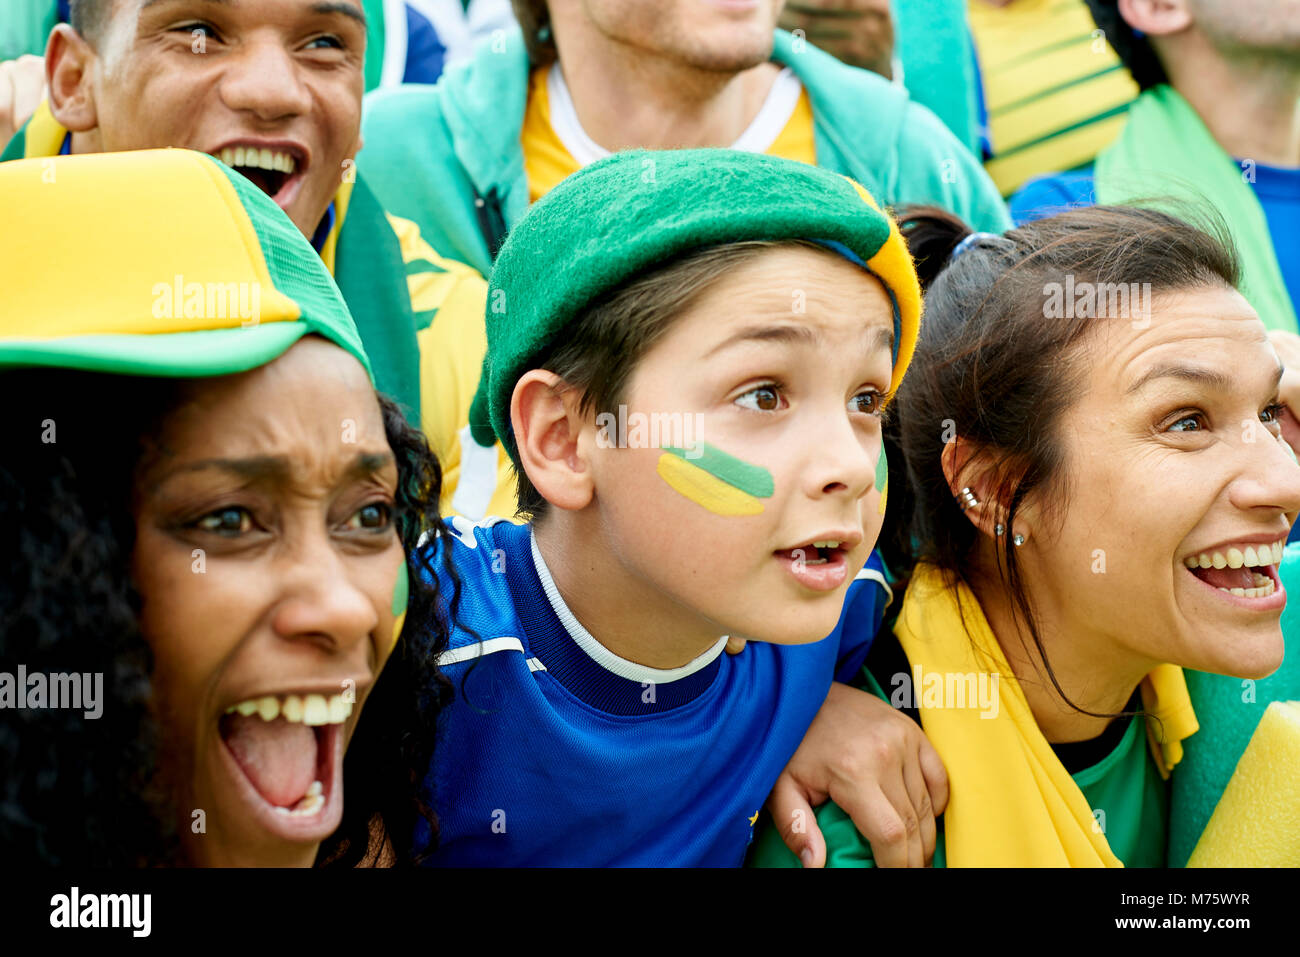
(449, 156)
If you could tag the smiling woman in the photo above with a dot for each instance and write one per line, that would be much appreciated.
(1090, 497)
(213, 514)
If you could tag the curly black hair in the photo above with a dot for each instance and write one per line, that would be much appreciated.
(78, 792)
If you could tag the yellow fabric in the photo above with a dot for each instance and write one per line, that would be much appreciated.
(147, 271)
(331, 245)
(1257, 820)
(1053, 88)
(893, 265)
(1012, 803)
(546, 161)
(44, 134)
(452, 345)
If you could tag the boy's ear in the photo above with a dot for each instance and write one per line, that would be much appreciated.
(965, 466)
(548, 426)
(69, 65)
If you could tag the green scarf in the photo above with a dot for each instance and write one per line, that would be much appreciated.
(1166, 151)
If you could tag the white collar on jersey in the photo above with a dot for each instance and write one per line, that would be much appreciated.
(602, 655)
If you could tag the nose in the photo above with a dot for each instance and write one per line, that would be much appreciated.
(1270, 478)
(263, 79)
(322, 598)
(841, 458)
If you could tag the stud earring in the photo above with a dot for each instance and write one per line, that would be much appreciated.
(999, 529)
(1018, 540)
(968, 499)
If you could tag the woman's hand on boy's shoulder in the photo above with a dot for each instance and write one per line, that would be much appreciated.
(878, 766)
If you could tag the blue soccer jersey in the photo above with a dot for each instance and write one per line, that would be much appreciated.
(555, 751)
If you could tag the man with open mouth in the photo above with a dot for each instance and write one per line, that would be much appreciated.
(273, 89)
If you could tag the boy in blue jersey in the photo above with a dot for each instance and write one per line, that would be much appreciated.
(688, 357)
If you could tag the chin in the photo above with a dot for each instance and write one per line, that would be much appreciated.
(1251, 656)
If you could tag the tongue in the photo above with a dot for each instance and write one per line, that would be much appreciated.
(277, 756)
(1226, 577)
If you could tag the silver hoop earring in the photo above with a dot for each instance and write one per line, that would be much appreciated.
(999, 529)
(968, 499)
(1018, 540)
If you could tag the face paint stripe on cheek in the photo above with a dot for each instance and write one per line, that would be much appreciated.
(722, 483)
(401, 593)
(882, 477)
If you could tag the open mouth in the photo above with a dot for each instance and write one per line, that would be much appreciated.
(270, 170)
(287, 749)
(821, 565)
(1248, 572)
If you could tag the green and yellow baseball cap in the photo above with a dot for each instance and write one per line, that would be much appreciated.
(639, 209)
(155, 263)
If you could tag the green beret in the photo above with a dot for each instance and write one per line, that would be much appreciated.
(639, 210)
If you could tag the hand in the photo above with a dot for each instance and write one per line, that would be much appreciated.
(1287, 345)
(22, 85)
(877, 765)
(857, 32)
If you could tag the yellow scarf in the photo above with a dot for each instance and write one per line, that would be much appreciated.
(1012, 802)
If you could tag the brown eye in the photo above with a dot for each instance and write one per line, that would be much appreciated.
(373, 517)
(765, 398)
(226, 521)
(868, 402)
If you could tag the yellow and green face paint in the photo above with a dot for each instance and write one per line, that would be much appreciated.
(722, 483)
(401, 593)
(882, 477)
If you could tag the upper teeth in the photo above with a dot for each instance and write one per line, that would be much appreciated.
(1249, 557)
(826, 544)
(309, 709)
(258, 158)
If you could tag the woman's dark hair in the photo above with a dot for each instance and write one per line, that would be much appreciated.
(91, 792)
(1132, 48)
(995, 362)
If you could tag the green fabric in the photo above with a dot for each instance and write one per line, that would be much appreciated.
(1229, 709)
(370, 273)
(932, 41)
(294, 269)
(1166, 150)
(375, 29)
(632, 211)
(16, 146)
(463, 136)
(1125, 786)
(25, 26)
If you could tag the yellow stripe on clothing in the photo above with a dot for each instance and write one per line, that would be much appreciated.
(1052, 87)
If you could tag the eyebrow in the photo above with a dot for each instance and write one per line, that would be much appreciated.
(1206, 377)
(275, 469)
(882, 338)
(324, 7)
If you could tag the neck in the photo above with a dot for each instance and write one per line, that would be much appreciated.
(621, 610)
(1250, 103)
(627, 98)
(1094, 673)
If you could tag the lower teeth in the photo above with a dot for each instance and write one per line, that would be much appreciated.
(311, 802)
(1263, 588)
